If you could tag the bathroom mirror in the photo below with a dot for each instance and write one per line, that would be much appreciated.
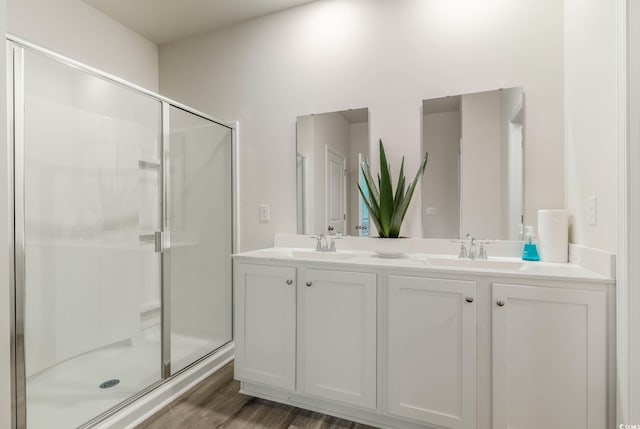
(473, 183)
(330, 147)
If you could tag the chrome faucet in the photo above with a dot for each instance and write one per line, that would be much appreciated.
(471, 244)
(322, 242)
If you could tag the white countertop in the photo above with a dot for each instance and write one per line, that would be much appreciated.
(494, 266)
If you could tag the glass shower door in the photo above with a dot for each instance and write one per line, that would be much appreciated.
(197, 263)
(91, 202)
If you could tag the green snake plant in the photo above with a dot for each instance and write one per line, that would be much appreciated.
(387, 207)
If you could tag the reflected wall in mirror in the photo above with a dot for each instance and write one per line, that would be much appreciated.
(474, 181)
(330, 148)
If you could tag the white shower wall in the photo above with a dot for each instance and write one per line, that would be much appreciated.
(74, 282)
(87, 202)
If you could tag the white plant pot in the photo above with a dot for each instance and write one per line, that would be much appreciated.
(390, 247)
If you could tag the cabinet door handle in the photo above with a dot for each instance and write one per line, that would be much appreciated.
(500, 303)
(289, 282)
(309, 284)
(469, 299)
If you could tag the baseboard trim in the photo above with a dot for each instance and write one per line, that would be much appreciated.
(144, 408)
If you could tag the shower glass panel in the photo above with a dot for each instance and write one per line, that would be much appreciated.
(198, 263)
(92, 202)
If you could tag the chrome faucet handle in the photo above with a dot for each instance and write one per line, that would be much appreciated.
(338, 236)
(331, 229)
(463, 251)
(463, 248)
(482, 253)
(318, 242)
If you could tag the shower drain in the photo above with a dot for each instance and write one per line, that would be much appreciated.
(109, 383)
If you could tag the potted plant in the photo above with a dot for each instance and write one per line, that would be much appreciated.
(388, 207)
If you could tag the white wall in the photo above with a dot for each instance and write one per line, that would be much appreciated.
(386, 55)
(481, 178)
(5, 364)
(441, 184)
(590, 119)
(81, 32)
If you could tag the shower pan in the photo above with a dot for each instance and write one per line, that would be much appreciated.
(123, 231)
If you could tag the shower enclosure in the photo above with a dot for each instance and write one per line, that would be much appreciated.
(123, 232)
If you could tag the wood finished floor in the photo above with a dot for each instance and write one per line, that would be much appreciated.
(216, 403)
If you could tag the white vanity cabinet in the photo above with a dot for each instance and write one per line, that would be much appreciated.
(337, 335)
(265, 324)
(398, 344)
(549, 357)
(431, 350)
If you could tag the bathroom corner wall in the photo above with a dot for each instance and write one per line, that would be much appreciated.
(590, 92)
(5, 357)
(79, 31)
(333, 55)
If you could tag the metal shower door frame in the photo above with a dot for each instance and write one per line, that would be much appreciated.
(15, 59)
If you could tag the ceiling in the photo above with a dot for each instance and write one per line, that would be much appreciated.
(164, 21)
(441, 105)
(355, 116)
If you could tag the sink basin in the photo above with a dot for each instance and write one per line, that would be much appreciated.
(322, 256)
(489, 264)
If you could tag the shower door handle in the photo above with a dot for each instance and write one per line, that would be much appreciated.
(156, 238)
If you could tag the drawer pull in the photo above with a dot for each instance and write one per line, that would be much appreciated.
(469, 299)
(309, 284)
(289, 282)
(500, 303)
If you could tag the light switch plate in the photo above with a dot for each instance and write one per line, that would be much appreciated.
(592, 210)
(264, 213)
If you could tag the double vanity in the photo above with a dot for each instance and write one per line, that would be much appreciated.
(427, 340)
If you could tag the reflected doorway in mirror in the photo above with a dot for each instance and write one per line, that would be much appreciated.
(326, 193)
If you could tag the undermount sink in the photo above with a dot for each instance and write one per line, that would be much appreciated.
(490, 264)
(313, 254)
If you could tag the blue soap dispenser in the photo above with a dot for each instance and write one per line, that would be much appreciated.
(530, 251)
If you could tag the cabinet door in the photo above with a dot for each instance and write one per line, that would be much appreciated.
(431, 350)
(265, 325)
(549, 358)
(338, 335)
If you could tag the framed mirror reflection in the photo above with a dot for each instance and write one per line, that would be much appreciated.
(474, 182)
(330, 148)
